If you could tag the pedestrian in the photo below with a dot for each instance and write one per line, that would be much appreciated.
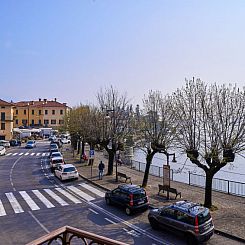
(101, 169)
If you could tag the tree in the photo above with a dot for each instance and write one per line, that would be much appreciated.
(210, 123)
(115, 120)
(156, 128)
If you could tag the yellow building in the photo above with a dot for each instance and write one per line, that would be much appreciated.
(6, 120)
(41, 113)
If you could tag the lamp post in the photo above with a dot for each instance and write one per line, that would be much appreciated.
(28, 114)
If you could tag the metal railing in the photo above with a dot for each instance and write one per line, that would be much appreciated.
(67, 235)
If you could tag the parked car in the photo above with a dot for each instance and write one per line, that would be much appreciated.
(53, 150)
(30, 144)
(57, 142)
(65, 141)
(55, 154)
(66, 171)
(2, 151)
(191, 219)
(53, 146)
(15, 142)
(130, 197)
(55, 162)
(4, 143)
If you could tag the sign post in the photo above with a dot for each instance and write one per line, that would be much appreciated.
(91, 160)
(166, 177)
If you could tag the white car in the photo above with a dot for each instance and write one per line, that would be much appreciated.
(66, 171)
(55, 162)
(65, 141)
(2, 151)
(4, 143)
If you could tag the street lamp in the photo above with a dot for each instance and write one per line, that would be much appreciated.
(28, 114)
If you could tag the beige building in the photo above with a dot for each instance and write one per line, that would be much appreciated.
(40, 113)
(6, 120)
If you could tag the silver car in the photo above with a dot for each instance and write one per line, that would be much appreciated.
(191, 219)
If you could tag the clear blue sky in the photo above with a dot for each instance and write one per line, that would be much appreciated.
(69, 49)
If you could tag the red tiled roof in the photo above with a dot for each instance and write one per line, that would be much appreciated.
(47, 103)
(5, 103)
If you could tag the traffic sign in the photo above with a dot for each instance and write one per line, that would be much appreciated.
(91, 153)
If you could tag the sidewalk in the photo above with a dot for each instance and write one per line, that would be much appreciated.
(229, 219)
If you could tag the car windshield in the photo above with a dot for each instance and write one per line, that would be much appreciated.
(140, 194)
(203, 217)
(56, 154)
(58, 161)
(30, 142)
(70, 169)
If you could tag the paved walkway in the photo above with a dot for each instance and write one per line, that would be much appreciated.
(228, 219)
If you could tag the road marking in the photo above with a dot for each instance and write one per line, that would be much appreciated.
(15, 154)
(9, 154)
(43, 199)
(32, 154)
(2, 210)
(47, 154)
(134, 233)
(92, 189)
(93, 211)
(38, 154)
(27, 154)
(68, 195)
(14, 203)
(29, 201)
(81, 193)
(56, 197)
(44, 154)
(38, 222)
(110, 221)
(21, 154)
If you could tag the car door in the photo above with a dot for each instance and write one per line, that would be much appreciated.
(58, 171)
(116, 196)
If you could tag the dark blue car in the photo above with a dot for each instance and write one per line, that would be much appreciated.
(30, 144)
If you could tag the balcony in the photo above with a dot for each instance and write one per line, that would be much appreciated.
(67, 235)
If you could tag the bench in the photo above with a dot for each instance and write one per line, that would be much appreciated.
(169, 189)
(122, 175)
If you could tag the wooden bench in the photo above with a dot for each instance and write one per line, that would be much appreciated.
(169, 189)
(122, 175)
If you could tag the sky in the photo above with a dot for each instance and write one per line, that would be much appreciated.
(70, 49)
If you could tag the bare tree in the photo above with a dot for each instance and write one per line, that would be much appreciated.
(210, 124)
(156, 131)
(115, 120)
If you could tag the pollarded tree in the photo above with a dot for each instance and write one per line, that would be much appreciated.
(115, 121)
(210, 122)
(155, 128)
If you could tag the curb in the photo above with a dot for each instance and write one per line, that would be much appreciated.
(216, 231)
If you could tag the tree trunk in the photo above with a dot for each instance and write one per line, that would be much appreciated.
(78, 146)
(208, 189)
(110, 161)
(83, 148)
(149, 158)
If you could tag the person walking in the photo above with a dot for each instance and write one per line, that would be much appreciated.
(101, 169)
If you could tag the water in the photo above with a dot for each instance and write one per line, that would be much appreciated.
(232, 171)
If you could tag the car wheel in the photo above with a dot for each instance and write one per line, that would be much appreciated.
(128, 211)
(191, 240)
(154, 224)
(108, 201)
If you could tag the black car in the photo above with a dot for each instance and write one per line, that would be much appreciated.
(188, 218)
(130, 197)
(14, 142)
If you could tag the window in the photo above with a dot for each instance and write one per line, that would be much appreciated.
(16, 112)
(61, 112)
(40, 112)
(2, 126)
(2, 107)
(61, 122)
(2, 116)
(32, 122)
(53, 112)
(53, 121)
(32, 112)
(39, 122)
(46, 112)
(24, 121)
(46, 121)
(24, 112)
(17, 121)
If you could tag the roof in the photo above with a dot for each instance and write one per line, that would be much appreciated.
(5, 103)
(40, 103)
(68, 165)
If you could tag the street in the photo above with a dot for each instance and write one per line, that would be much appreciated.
(33, 202)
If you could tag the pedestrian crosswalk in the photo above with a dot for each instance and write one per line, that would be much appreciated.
(38, 154)
(22, 201)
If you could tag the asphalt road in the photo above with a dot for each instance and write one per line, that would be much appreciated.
(34, 202)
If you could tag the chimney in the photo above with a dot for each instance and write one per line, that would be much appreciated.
(39, 99)
(45, 100)
(55, 99)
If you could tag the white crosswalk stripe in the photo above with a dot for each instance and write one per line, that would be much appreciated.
(29, 201)
(8, 154)
(27, 154)
(43, 199)
(81, 193)
(15, 154)
(92, 189)
(68, 195)
(20, 154)
(14, 203)
(56, 197)
(44, 154)
(2, 210)
(32, 154)
(38, 154)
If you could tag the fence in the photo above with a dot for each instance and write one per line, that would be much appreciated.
(221, 185)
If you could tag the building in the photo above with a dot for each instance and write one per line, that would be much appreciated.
(40, 113)
(6, 120)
